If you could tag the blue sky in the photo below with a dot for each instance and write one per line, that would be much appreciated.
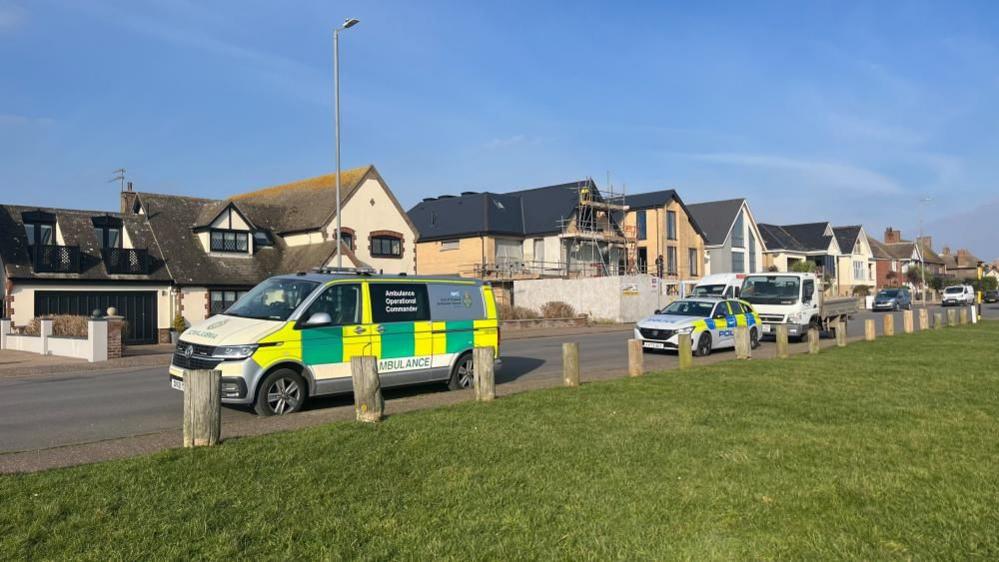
(841, 111)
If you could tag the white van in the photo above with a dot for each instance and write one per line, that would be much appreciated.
(719, 285)
(958, 295)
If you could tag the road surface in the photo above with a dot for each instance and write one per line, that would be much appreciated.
(45, 411)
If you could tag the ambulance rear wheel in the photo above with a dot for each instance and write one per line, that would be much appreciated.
(282, 392)
(703, 345)
(463, 373)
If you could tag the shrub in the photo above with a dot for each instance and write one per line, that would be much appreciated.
(803, 267)
(63, 326)
(557, 309)
(178, 324)
(507, 312)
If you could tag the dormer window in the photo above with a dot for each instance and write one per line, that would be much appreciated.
(39, 227)
(261, 239)
(230, 241)
(109, 232)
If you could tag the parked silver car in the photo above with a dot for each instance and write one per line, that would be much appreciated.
(893, 299)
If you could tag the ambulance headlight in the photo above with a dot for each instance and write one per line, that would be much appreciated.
(230, 352)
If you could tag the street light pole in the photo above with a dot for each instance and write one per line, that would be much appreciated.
(347, 24)
(919, 245)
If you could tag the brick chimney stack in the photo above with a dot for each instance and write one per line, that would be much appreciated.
(925, 242)
(127, 200)
(892, 236)
(963, 253)
(946, 250)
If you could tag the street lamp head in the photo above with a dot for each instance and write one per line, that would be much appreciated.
(350, 22)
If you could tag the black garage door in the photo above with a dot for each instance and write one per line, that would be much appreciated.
(138, 308)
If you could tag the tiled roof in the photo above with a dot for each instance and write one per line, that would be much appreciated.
(656, 199)
(301, 205)
(846, 237)
(77, 229)
(716, 218)
(776, 238)
(529, 212)
(812, 236)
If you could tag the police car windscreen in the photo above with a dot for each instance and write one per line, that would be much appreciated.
(689, 308)
(770, 289)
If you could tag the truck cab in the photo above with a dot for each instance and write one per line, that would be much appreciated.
(719, 285)
(794, 299)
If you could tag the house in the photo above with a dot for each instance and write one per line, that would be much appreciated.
(660, 229)
(732, 240)
(961, 265)
(856, 263)
(895, 257)
(168, 254)
(564, 230)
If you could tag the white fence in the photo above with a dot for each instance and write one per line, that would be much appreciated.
(624, 298)
(93, 348)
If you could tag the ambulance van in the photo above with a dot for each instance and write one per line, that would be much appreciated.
(291, 337)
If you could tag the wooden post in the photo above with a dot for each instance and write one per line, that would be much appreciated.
(870, 330)
(952, 317)
(841, 333)
(924, 319)
(570, 364)
(202, 408)
(635, 367)
(685, 351)
(889, 325)
(938, 320)
(743, 349)
(368, 403)
(907, 322)
(485, 376)
(813, 340)
(964, 315)
(783, 348)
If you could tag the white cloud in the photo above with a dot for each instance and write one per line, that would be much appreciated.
(809, 173)
(12, 16)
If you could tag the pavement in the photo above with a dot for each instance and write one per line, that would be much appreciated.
(67, 418)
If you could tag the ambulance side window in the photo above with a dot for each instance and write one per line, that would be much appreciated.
(341, 302)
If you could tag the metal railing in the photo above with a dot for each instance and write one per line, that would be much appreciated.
(127, 261)
(56, 259)
(531, 269)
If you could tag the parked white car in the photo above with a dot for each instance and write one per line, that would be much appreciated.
(958, 295)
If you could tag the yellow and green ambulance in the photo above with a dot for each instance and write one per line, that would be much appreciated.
(292, 336)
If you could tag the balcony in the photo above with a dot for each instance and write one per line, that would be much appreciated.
(126, 261)
(56, 259)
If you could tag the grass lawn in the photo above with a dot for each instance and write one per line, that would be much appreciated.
(878, 451)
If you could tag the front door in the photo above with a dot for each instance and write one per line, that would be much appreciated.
(328, 347)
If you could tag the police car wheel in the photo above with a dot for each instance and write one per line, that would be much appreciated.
(463, 373)
(282, 392)
(754, 339)
(703, 345)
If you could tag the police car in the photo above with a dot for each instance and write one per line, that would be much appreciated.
(711, 323)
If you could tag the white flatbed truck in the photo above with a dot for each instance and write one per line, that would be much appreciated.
(797, 300)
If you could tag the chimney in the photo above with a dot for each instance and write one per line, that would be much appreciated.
(127, 200)
(963, 253)
(925, 242)
(946, 250)
(892, 236)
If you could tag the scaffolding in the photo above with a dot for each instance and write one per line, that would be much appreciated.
(593, 231)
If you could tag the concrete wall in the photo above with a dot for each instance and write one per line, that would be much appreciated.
(93, 348)
(23, 295)
(626, 298)
(194, 304)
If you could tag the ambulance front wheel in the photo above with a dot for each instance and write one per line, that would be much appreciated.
(282, 392)
(463, 374)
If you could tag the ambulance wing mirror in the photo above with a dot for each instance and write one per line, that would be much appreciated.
(319, 319)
